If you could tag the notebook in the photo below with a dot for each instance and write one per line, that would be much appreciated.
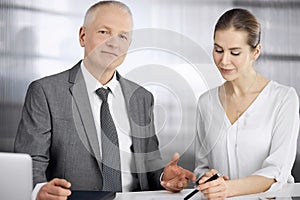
(15, 176)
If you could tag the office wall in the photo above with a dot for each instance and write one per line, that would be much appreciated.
(37, 38)
(170, 55)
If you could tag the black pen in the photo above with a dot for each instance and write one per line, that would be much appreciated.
(214, 177)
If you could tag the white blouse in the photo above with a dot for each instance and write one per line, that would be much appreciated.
(262, 141)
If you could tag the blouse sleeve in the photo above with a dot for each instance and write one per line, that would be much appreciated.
(279, 163)
(201, 160)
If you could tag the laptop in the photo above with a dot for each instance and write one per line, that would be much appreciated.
(15, 176)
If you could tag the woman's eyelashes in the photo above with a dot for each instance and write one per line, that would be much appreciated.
(234, 53)
(219, 51)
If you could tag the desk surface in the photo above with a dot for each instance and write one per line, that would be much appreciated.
(288, 190)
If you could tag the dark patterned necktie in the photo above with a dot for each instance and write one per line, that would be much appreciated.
(111, 164)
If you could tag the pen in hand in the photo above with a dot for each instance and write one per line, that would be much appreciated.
(214, 177)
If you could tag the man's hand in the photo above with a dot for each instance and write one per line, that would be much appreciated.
(176, 178)
(56, 189)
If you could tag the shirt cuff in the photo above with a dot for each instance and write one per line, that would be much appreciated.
(161, 176)
(36, 190)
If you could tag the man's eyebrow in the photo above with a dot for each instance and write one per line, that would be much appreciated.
(109, 28)
(125, 32)
(106, 27)
(103, 27)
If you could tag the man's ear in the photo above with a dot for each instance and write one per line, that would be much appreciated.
(257, 51)
(82, 36)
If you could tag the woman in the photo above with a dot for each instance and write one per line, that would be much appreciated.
(247, 128)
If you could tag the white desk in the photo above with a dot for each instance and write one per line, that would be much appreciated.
(288, 191)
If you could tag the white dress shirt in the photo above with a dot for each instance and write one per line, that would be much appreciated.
(119, 114)
(262, 141)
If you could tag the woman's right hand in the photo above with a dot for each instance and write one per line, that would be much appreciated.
(216, 189)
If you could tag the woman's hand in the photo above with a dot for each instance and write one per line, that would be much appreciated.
(216, 189)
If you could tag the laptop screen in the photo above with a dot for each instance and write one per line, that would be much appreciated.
(16, 176)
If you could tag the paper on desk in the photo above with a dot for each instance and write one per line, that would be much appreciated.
(157, 195)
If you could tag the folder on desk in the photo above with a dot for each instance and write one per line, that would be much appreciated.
(92, 195)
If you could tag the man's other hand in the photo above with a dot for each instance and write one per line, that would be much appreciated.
(175, 178)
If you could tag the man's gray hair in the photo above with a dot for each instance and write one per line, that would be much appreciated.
(99, 4)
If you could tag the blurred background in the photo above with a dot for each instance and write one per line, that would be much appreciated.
(170, 56)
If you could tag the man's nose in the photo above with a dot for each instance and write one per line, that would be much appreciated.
(112, 41)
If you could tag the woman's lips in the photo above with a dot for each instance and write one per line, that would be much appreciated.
(226, 71)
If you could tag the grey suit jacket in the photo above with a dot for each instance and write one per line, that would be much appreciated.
(57, 129)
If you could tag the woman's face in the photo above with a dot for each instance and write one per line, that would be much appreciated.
(232, 55)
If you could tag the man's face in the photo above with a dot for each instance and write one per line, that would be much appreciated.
(106, 36)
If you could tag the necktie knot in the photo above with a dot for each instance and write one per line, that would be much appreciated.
(102, 93)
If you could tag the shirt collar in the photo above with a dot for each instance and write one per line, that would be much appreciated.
(93, 84)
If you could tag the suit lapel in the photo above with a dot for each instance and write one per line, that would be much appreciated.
(83, 114)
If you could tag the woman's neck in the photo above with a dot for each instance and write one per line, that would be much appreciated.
(242, 86)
